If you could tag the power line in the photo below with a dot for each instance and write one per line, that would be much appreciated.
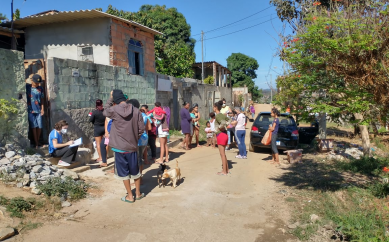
(234, 22)
(241, 29)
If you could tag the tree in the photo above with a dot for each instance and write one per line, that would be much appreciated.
(342, 49)
(209, 80)
(243, 70)
(175, 44)
(2, 17)
(17, 14)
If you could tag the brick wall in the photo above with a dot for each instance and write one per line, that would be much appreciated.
(121, 33)
(72, 98)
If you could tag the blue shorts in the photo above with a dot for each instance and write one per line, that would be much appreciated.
(35, 120)
(126, 166)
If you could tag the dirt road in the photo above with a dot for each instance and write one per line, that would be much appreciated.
(243, 206)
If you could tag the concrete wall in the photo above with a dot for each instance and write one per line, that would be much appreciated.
(61, 39)
(72, 98)
(13, 127)
(241, 91)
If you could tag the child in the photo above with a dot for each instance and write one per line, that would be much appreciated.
(212, 126)
(193, 116)
(157, 113)
(209, 132)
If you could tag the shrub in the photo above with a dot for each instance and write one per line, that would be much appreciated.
(209, 80)
(74, 190)
(366, 165)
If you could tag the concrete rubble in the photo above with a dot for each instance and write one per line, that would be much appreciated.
(27, 171)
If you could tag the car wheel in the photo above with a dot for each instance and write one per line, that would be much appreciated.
(251, 148)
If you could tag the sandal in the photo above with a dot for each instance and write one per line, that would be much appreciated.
(141, 196)
(158, 161)
(124, 199)
(221, 174)
(103, 165)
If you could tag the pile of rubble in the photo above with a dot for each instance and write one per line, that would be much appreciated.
(348, 153)
(28, 170)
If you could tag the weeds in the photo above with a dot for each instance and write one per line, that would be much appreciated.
(366, 165)
(175, 132)
(69, 188)
(16, 206)
(29, 226)
(378, 142)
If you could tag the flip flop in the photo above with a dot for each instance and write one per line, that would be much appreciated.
(221, 174)
(124, 199)
(141, 196)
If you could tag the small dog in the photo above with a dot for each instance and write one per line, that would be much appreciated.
(160, 172)
(174, 175)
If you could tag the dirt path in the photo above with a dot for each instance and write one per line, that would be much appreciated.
(243, 206)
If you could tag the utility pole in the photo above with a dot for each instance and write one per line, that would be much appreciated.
(202, 57)
(271, 89)
(13, 44)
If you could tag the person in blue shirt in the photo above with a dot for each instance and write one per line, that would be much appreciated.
(274, 128)
(104, 142)
(35, 108)
(59, 149)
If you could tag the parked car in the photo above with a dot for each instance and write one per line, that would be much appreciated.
(288, 132)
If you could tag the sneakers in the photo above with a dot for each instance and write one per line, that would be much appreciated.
(228, 148)
(244, 157)
(63, 163)
(238, 156)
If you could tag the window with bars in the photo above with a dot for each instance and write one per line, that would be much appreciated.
(135, 57)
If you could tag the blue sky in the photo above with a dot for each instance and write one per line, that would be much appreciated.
(258, 42)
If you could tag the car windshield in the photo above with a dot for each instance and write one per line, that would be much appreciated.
(266, 119)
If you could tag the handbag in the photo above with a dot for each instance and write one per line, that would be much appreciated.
(106, 141)
(266, 140)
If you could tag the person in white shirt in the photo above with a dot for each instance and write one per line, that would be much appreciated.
(240, 134)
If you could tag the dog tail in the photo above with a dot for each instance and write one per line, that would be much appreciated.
(177, 163)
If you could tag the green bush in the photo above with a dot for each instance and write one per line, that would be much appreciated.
(382, 130)
(74, 190)
(209, 80)
(16, 206)
(366, 165)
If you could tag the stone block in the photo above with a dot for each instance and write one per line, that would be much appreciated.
(66, 72)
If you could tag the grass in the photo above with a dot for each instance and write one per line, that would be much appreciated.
(29, 226)
(379, 144)
(358, 212)
(18, 206)
(175, 132)
(73, 190)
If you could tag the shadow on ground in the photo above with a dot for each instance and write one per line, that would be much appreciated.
(311, 175)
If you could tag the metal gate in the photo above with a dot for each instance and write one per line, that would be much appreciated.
(38, 66)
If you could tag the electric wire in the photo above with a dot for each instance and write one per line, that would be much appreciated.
(234, 22)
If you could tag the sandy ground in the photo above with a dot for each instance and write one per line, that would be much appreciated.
(243, 206)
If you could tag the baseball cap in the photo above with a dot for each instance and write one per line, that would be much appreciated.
(36, 78)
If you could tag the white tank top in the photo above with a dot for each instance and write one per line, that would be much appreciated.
(212, 125)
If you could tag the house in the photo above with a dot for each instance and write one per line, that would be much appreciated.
(212, 68)
(89, 35)
(6, 38)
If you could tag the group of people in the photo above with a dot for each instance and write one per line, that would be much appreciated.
(127, 128)
(224, 125)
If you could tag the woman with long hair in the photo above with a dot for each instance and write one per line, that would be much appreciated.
(186, 122)
(274, 129)
(221, 121)
(98, 119)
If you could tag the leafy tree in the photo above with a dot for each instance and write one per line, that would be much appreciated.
(341, 50)
(209, 80)
(17, 14)
(243, 69)
(2, 17)
(175, 44)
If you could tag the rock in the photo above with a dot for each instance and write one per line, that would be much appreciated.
(45, 173)
(71, 174)
(4, 161)
(47, 163)
(19, 185)
(66, 204)
(9, 147)
(26, 179)
(304, 226)
(6, 233)
(19, 164)
(37, 169)
(12, 176)
(2, 150)
(293, 226)
(314, 218)
(54, 168)
(36, 191)
(32, 175)
(327, 227)
(33, 184)
(10, 154)
(22, 160)
(60, 172)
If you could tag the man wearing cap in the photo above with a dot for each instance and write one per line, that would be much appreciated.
(127, 127)
(35, 107)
